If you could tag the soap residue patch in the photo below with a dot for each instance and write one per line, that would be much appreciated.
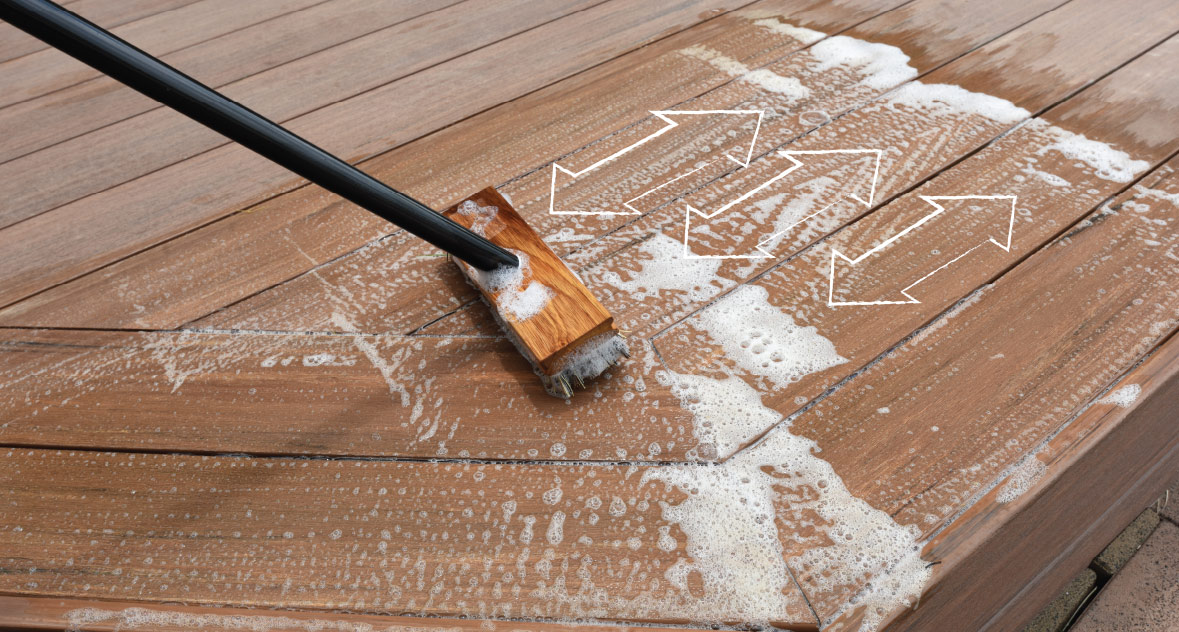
(1124, 397)
(1109, 163)
(881, 65)
(942, 99)
(737, 515)
(761, 77)
(518, 295)
(147, 618)
(764, 340)
(1021, 479)
(664, 268)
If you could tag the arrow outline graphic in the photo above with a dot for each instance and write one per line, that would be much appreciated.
(938, 210)
(796, 163)
(664, 115)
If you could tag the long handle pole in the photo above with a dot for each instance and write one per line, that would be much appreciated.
(107, 53)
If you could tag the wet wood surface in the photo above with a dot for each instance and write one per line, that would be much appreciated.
(225, 387)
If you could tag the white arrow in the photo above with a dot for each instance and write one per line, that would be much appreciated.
(938, 209)
(665, 115)
(795, 164)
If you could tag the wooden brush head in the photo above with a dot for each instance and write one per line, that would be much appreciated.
(555, 323)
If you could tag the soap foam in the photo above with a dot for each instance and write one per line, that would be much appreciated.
(881, 66)
(516, 300)
(942, 99)
(764, 340)
(737, 514)
(1109, 163)
(1123, 397)
(1022, 477)
(665, 268)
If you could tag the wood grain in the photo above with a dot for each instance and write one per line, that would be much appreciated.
(264, 238)
(40, 613)
(1110, 457)
(220, 48)
(323, 227)
(14, 43)
(49, 70)
(237, 503)
(132, 147)
(216, 182)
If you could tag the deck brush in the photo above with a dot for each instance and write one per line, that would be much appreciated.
(545, 309)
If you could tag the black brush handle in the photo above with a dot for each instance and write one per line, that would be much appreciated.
(107, 53)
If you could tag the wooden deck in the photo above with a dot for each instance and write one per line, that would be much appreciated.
(230, 400)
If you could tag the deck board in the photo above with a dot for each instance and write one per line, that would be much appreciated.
(270, 400)
(356, 128)
(224, 47)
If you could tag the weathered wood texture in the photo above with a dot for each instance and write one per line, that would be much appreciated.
(853, 444)
(44, 613)
(14, 43)
(187, 194)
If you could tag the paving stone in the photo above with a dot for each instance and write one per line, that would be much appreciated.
(1144, 595)
(1126, 544)
(1057, 614)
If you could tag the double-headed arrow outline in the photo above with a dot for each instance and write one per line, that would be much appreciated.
(938, 210)
(795, 164)
(665, 115)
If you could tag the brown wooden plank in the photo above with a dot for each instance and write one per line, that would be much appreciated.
(1002, 560)
(286, 307)
(49, 70)
(80, 615)
(540, 121)
(441, 538)
(131, 148)
(14, 43)
(229, 176)
(237, 504)
(221, 47)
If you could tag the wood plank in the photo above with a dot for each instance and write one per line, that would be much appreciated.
(149, 296)
(372, 276)
(1003, 559)
(616, 264)
(221, 47)
(110, 427)
(1029, 163)
(131, 148)
(14, 43)
(424, 538)
(49, 70)
(237, 504)
(81, 615)
(215, 182)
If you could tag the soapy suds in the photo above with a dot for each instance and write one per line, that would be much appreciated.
(1124, 397)
(1109, 163)
(151, 619)
(764, 340)
(1021, 479)
(881, 66)
(789, 87)
(664, 268)
(736, 514)
(949, 100)
(517, 300)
